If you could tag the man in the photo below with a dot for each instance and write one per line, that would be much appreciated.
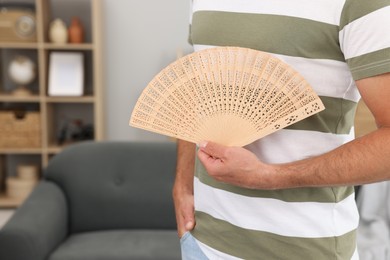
(290, 195)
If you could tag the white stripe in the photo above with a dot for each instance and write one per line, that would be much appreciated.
(310, 219)
(199, 47)
(366, 34)
(326, 11)
(327, 77)
(213, 254)
(287, 145)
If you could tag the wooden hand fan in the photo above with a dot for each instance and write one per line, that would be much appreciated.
(228, 95)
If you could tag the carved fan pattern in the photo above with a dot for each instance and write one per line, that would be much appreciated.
(229, 95)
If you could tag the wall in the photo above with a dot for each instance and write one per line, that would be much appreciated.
(141, 38)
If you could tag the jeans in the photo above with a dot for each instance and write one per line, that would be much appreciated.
(190, 249)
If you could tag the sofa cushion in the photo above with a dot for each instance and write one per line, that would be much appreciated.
(120, 245)
(116, 185)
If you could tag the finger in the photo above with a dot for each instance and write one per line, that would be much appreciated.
(189, 219)
(213, 149)
(211, 164)
(207, 159)
(188, 216)
(204, 157)
(190, 225)
(187, 224)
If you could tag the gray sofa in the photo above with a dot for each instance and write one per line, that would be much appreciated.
(99, 200)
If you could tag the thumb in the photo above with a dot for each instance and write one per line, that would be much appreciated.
(212, 149)
(189, 222)
(190, 225)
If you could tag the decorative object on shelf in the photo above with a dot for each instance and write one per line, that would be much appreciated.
(229, 95)
(75, 130)
(20, 129)
(58, 33)
(22, 71)
(18, 23)
(21, 185)
(66, 74)
(76, 31)
(28, 172)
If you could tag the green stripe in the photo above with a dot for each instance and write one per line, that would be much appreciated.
(375, 63)
(306, 38)
(322, 195)
(251, 244)
(355, 9)
(337, 118)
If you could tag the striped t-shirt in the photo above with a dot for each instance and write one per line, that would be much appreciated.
(331, 43)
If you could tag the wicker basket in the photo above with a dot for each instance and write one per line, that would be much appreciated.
(18, 188)
(20, 131)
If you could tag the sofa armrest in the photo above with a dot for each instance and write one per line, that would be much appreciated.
(37, 227)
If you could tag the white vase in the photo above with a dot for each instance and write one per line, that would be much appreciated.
(58, 32)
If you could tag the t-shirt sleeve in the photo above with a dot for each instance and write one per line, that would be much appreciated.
(365, 37)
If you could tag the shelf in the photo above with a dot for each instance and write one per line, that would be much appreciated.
(6, 202)
(82, 99)
(19, 45)
(54, 111)
(68, 46)
(49, 46)
(21, 150)
(50, 99)
(54, 148)
(13, 98)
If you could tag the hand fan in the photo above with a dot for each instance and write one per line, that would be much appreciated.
(229, 95)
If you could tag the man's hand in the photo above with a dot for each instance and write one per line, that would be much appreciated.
(234, 165)
(184, 205)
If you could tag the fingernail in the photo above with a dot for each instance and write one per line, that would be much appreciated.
(202, 144)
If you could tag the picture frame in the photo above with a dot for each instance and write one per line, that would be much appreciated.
(66, 74)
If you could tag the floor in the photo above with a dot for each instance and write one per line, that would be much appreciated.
(5, 214)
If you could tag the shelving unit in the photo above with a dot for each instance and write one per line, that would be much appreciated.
(52, 108)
